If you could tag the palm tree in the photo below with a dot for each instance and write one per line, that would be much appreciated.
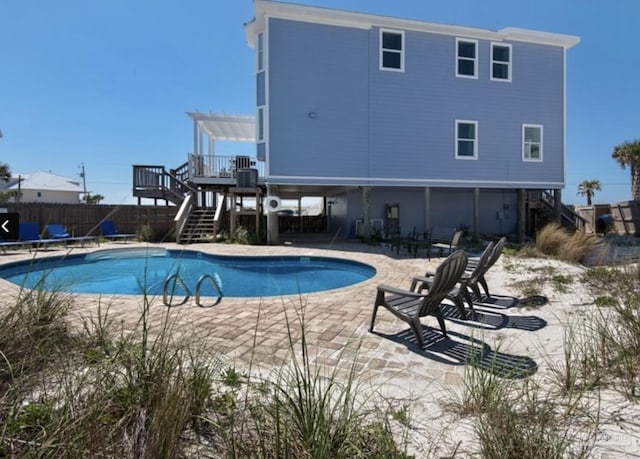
(628, 154)
(588, 188)
(5, 172)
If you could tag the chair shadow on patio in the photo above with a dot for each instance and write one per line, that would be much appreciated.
(492, 320)
(461, 349)
(508, 302)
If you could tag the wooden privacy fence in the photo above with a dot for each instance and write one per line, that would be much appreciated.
(83, 219)
(626, 217)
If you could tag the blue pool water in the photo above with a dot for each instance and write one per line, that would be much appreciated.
(134, 271)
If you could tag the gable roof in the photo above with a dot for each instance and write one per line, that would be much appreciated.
(44, 181)
(320, 15)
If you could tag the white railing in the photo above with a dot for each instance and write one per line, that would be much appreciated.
(183, 215)
(222, 166)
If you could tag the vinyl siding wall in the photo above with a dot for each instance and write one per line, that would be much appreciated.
(334, 117)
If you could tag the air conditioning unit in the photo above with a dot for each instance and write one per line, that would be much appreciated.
(247, 178)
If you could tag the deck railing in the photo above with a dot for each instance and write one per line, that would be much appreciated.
(155, 182)
(222, 166)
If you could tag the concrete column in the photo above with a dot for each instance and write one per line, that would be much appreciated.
(557, 206)
(427, 208)
(273, 231)
(366, 204)
(476, 213)
(522, 215)
(232, 215)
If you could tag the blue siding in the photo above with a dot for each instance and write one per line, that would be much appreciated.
(498, 209)
(318, 110)
(397, 128)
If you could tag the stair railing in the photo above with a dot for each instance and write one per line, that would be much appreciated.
(183, 215)
(567, 214)
(156, 182)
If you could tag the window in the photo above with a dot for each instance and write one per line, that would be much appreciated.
(260, 52)
(466, 139)
(531, 142)
(500, 62)
(391, 50)
(260, 125)
(467, 58)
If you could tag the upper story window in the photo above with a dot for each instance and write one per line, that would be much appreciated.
(466, 58)
(392, 50)
(260, 125)
(466, 139)
(500, 62)
(260, 52)
(531, 142)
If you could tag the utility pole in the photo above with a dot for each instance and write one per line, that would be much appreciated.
(84, 181)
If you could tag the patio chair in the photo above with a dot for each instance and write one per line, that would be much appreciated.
(447, 247)
(495, 256)
(468, 281)
(57, 231)
(411, 306)
(29, 235)
(108, 231)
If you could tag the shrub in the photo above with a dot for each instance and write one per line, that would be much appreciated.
(145, 233)
(551, 238)
(555, 241)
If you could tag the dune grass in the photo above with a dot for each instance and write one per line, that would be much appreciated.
(97, 391)
(553, 240)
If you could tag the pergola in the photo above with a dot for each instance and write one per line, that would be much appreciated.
(234, 128)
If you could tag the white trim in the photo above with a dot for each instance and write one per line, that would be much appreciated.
(382, 50)
(564, 115)
(319, 15)
(260, 52)
(537, 36)
(361, 181)
(475, 59)
(533, 160)
(265, 114)
(475, 140)
(508, 64)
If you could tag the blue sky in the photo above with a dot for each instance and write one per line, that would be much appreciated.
(107, 84)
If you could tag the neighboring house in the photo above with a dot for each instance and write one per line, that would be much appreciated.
(447, 121)
(44, 187)
(435, 125)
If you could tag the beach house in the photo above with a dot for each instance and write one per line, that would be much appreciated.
(397, 124)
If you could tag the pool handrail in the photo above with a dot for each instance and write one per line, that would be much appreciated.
(213, 282)
(165, 286)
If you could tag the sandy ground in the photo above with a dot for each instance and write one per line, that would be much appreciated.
(521, 326)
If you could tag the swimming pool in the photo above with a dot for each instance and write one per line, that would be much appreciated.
(140, 270)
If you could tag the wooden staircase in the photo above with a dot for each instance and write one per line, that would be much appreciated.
(201, 226)
(542, 205)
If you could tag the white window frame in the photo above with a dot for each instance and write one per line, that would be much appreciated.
(383, 50)
(526, 153)
(260, 52)
(475, 59)
(475, 140)
(508, 64)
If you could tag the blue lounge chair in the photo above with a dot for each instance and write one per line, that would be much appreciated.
(108, 231)
(57, 231)
(29, 235)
